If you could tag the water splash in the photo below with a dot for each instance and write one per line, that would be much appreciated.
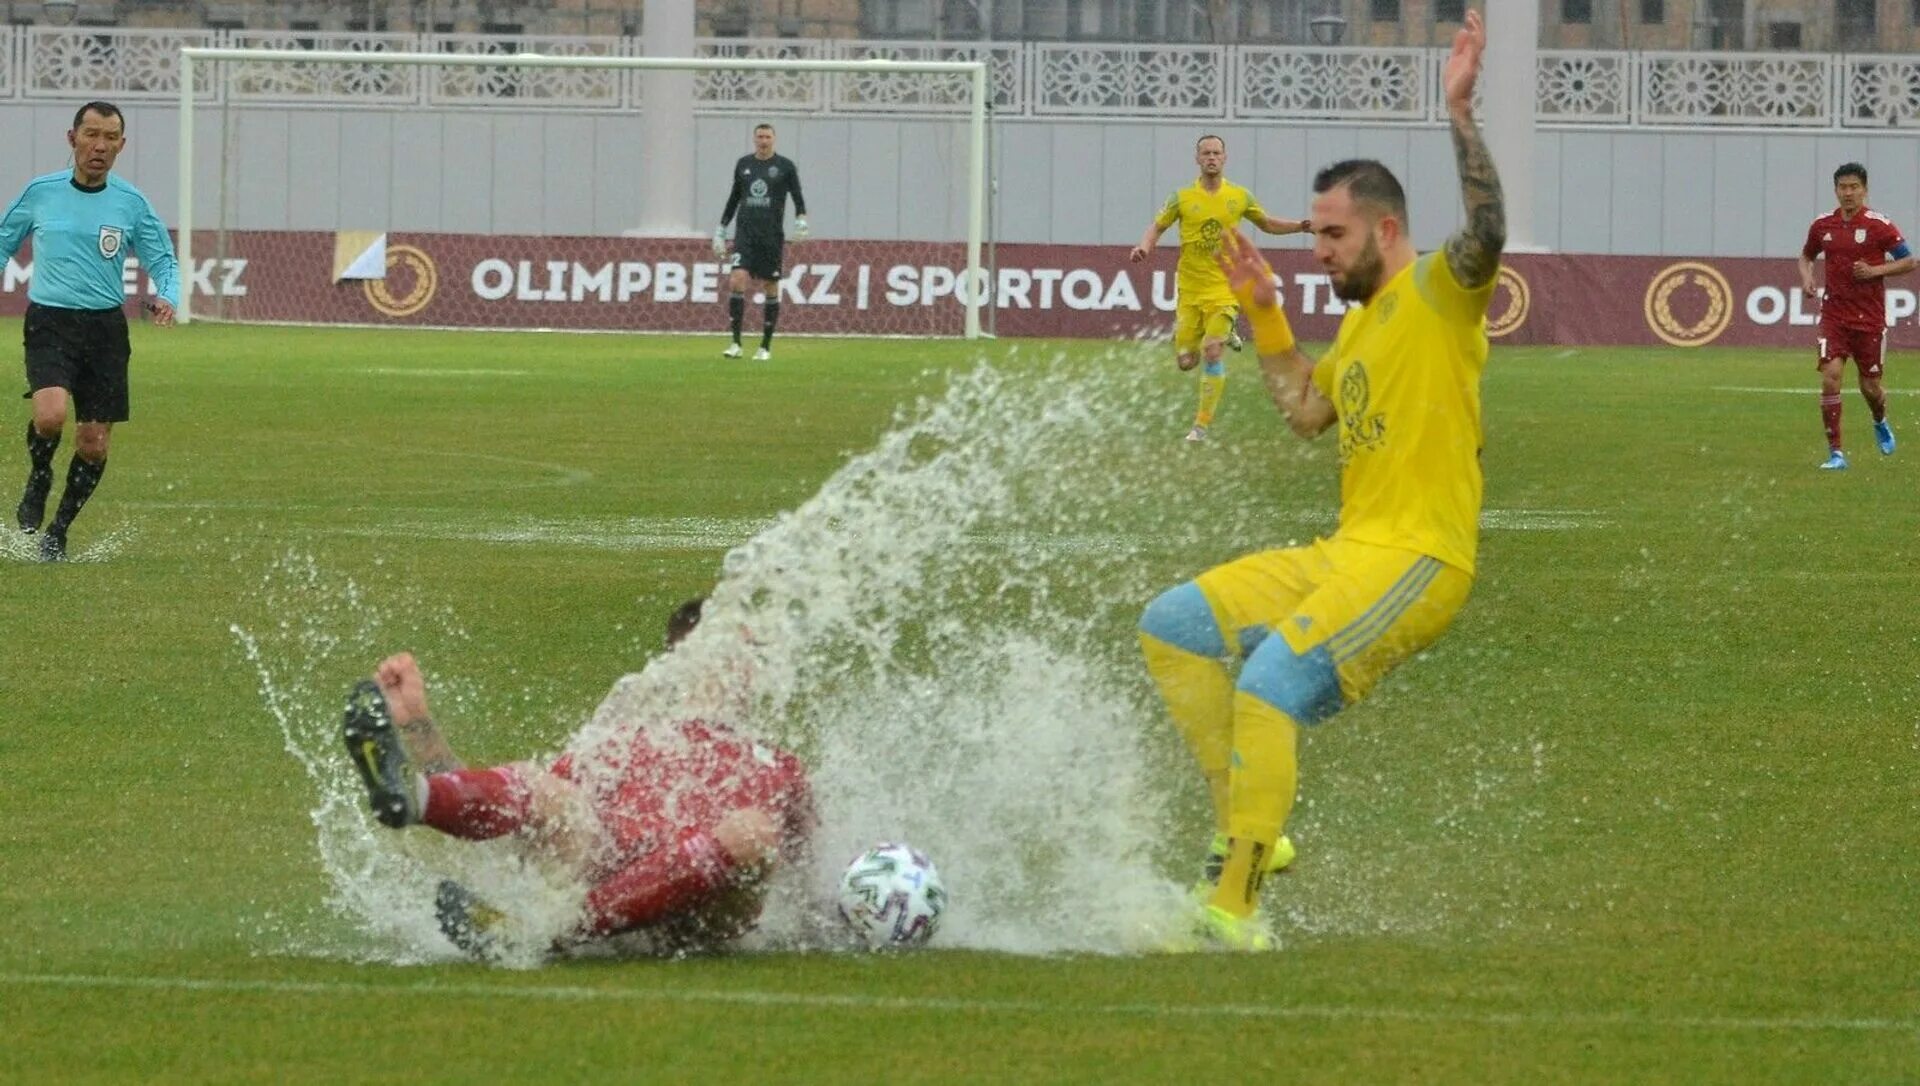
(21, 547)
(323, 632)
(944, 633)
(958, 671)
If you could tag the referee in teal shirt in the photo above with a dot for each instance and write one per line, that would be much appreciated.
(83, 222)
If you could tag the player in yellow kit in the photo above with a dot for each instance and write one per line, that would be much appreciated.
(1205, 310)
(1315, 627)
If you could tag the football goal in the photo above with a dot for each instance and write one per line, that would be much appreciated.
(471, 186)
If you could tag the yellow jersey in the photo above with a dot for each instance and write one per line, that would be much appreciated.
(1404, 375)
(1203, 216)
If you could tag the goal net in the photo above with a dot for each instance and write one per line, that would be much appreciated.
(468, 185)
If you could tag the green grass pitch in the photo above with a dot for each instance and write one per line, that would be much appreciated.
(1657, 787)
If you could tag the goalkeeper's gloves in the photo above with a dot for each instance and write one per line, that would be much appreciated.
(800, 228)
(720, 241)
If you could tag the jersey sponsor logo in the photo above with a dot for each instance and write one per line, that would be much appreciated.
(1686, 288)
(410, 283)
(1359, 430)
(110, 237)
(1502, 320)
(758, 189)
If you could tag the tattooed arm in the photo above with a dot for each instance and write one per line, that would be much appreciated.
(428, 747)
(1473, 252)
(405, 689)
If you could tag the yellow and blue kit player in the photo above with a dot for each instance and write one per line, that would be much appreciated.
(83, 222)
(1205, 308)
(1314, 628)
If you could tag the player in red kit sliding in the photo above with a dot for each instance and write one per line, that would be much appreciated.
(672, 829)
(1862, 248)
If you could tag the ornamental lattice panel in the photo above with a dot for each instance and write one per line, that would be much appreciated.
(1734, 89)
(324, 82)
(543, 88)
(9, 65)
(898, 92)
(69, 62)
(1332, 84)
(1587, 87)
(746, 91)
(1125, 80)
(1879, 92)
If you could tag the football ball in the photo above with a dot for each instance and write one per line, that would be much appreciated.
(891, 896)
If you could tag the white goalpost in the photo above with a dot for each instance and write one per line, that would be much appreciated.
(970, 288)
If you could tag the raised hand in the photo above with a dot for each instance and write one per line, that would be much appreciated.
(404, 687)
(1463, 63)
(1473, 252)
(1248, 273)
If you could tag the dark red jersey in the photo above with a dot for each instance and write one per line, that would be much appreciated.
(661, 783)
(1868, 236)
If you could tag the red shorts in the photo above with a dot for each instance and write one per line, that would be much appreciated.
(1863, 345)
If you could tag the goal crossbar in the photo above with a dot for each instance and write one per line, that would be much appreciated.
(975, 70)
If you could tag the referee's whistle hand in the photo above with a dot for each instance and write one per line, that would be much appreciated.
(160, 312)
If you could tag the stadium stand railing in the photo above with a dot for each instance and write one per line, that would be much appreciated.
(1030, 80)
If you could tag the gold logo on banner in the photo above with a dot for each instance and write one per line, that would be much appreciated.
(1715, 314)
(1519, 303)
(417, 275)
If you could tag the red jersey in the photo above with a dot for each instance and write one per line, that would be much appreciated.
(684, 778)
(1868, 236)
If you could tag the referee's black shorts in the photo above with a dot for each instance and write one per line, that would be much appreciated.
(84, 351)
(759, 256)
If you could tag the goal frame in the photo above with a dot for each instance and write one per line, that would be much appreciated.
(975, 276)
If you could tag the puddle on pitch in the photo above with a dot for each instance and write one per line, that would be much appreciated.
(951, 678)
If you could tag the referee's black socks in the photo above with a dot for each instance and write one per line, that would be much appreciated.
(82, 476)
(33, 502)
(736, 312)
(40, 450)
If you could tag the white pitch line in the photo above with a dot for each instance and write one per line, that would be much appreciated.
(1326, 1012)
(395, 371)
(1805, 390)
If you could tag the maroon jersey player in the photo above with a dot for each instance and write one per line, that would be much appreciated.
(1862, 248)
(672, 828)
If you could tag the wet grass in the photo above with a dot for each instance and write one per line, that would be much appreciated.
(1646, 814)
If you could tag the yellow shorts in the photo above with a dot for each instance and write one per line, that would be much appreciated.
(1192, 322)
(1357, 607)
